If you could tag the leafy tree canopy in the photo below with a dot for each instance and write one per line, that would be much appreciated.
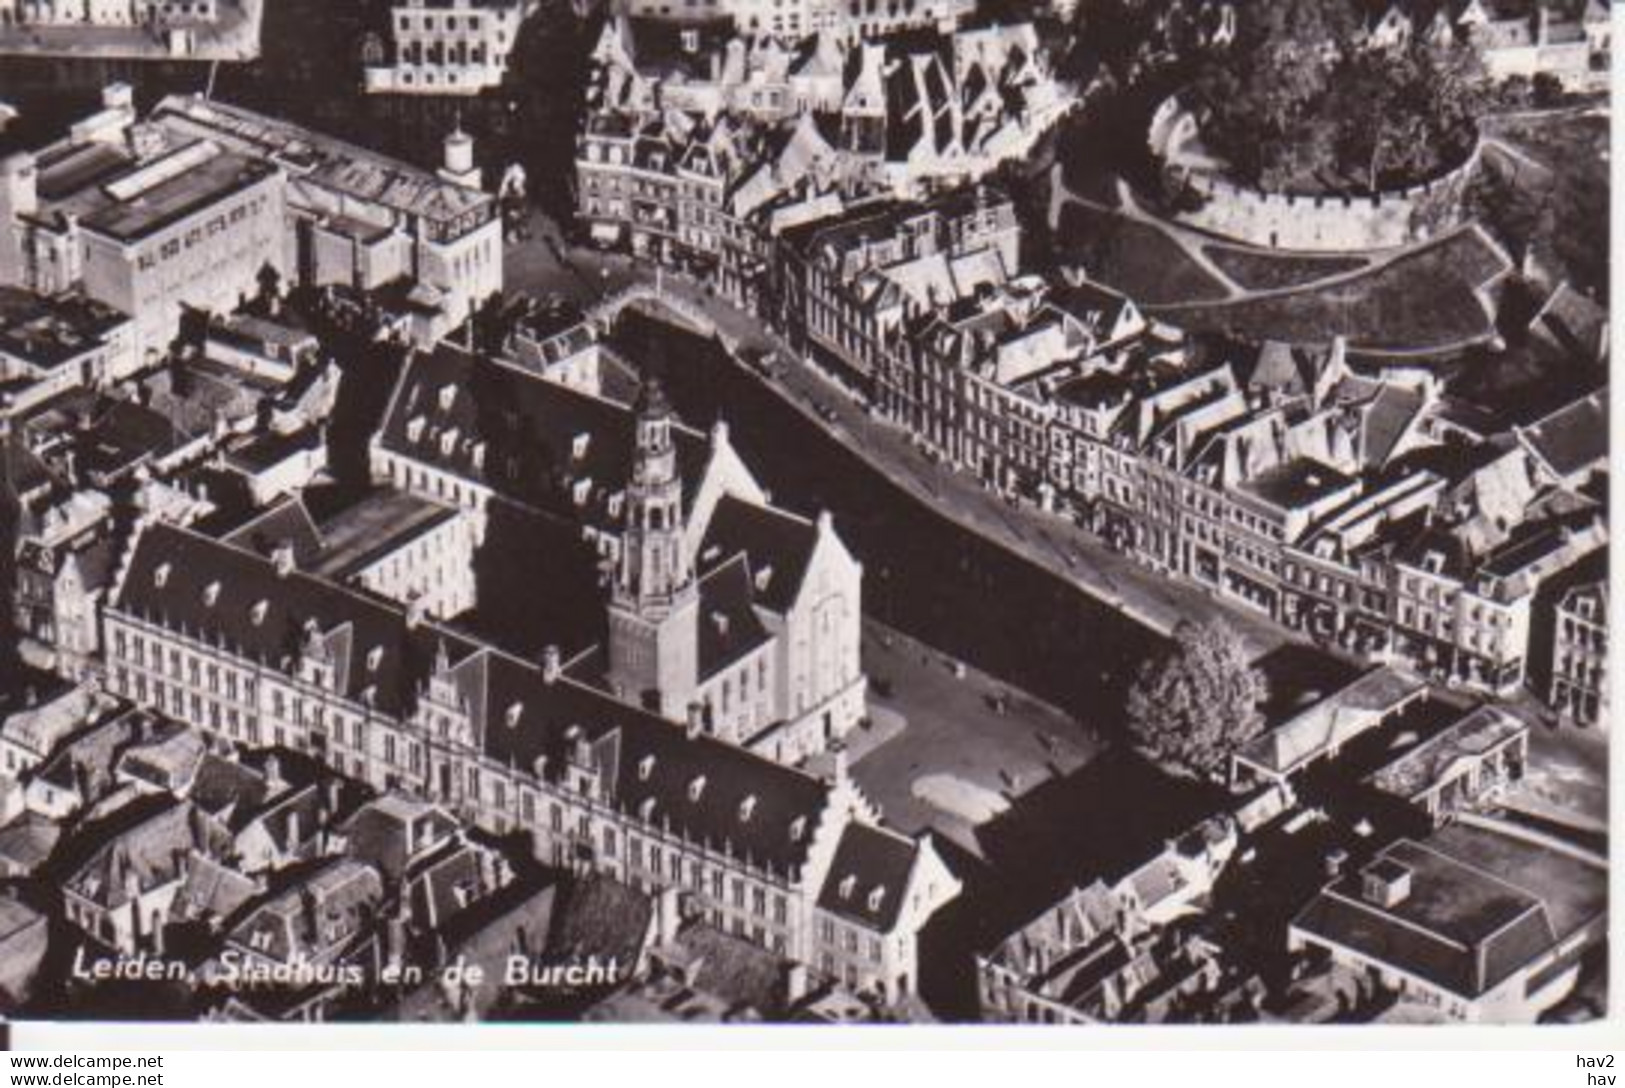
(1196, 706)
(1300, 104)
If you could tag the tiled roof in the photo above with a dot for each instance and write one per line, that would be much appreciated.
(358, 173)
(527, 438)
(389, 832)
(1386, 419)
(518, 714)
(777, 544)
(212, 891)
(597, 916)
(729, 627)
(322, 910)
(182, 580)
(746, 804)
(1573, 438)
(1430, 763)
(869, 875)
(26, 842)
(742, 974)
(224, 784)
(1460, 926)
(288, 523)
(1334, 720)
(140, 846)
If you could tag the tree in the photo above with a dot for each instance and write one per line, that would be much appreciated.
(1198, 704)
(1303, 106)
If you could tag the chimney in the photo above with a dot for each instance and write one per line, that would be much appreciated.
(1385, 882)
(552, 667)
(695, 723)
(273, 774)
(282, 559)
(1335, 860)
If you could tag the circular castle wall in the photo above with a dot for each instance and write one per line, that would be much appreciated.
(1298, 221)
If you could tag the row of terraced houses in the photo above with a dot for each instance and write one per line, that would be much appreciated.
(1363, 506)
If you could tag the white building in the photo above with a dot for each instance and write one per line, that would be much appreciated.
(449, 46)
(849, 18)
(723, 605)
(144, 219)
(106, 12)
(202, 630)
(431, 243)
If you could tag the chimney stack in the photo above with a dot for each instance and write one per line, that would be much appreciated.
(552, 667)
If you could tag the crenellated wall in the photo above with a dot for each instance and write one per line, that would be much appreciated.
(1321, 222)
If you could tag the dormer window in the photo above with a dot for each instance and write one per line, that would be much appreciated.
(646, 767)
(646, 810)
(617, 502)
(764, 578)
(579, 444)
(211, 594)
(848, 885)
(160, 577)
(448, 396)
(798, 828)
(375, 657)
(696, 788)
(747, 808)
(876, 897)
(414, 429)
(513, 714)
(256, 614)
(583, 490)
(478, 454)
(448, 442)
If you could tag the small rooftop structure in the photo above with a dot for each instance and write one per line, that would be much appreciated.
(1321, 731)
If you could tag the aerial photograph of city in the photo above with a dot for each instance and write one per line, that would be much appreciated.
(826, 512)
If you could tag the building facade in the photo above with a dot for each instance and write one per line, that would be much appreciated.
(461, 47)
(195, 630)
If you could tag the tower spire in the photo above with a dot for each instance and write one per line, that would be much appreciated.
(654, 605)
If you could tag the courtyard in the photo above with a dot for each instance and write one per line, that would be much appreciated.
(968, 746)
